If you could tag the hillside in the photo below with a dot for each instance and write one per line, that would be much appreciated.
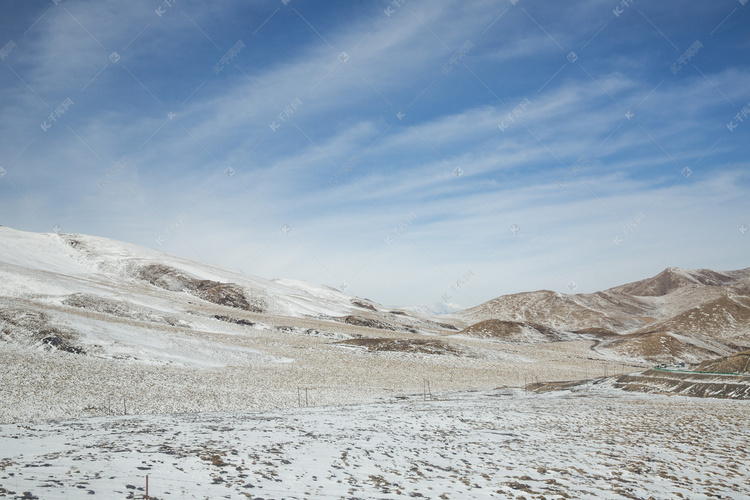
(738, 362)
(678, 315)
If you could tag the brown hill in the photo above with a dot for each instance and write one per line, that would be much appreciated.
(734, 363)
(726, 318)
(673, 278)
(679, 314)
(658, 347)
(512, 331)
(626, 308)
(561, 311)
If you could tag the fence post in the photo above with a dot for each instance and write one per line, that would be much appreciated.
(146, 486)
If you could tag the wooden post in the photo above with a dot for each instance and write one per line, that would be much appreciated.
(146, 486)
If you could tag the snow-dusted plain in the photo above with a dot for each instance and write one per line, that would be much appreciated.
(592, 443)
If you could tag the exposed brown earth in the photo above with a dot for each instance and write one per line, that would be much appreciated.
(35, 329)
(225, 294)
(368, 322)
(555, 386)
(364, 305)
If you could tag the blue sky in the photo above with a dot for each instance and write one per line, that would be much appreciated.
(411, 152)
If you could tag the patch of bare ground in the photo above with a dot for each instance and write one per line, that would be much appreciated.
(363, 304)
(35, 329)
(598, 332)
(224, 294)
(412, 346)
(555, 386)
(375, 323)
(236, 321)
(446, 326)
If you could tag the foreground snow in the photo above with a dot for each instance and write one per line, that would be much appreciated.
(593, 443)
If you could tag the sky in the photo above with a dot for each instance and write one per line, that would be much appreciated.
(437, 153)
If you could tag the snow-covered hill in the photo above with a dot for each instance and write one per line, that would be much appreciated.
(58, 264)
(111, 299)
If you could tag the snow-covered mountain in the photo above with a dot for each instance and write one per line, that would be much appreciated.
(58, 264)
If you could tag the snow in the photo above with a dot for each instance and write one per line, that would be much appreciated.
(588, 444)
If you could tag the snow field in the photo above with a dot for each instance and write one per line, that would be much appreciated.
(595, 443)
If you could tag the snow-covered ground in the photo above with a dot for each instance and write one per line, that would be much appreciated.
(592, 443)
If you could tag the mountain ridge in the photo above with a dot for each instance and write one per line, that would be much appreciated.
(695, 313)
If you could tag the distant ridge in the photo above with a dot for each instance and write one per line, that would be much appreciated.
(679, 314)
